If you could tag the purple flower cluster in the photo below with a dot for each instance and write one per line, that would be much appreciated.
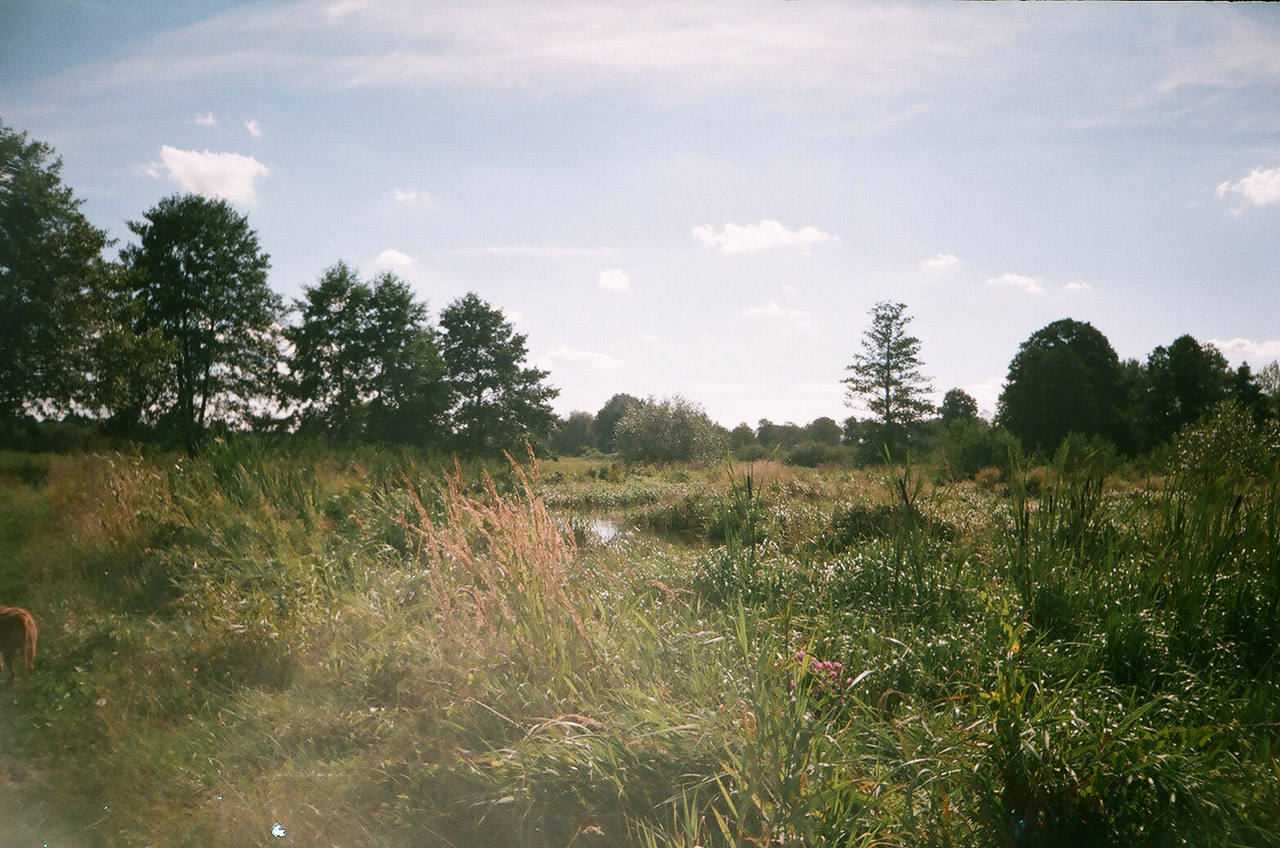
(827, 684)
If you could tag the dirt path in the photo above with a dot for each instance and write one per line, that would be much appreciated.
(29, 812)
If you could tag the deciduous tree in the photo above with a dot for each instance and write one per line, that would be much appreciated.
(365, 363)
(957, 405)
(50, 260)
(200, 280)
(496, 399)
(1183, 382)
(1065, 378)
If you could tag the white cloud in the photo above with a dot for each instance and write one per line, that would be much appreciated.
(766, 235)
(1030, 285)
(987, 394)
(566, 357)
(941, 262)
(410, 197)
(229, 176)
(206, 120)
(1248, 350)
(1259, 188)
(776, 312)
(393, 259)
(614, 280)
(648, 338)
(1077, 286)
(531, 250)
(253, 128)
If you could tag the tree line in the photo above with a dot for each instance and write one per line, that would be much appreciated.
(183, 335)
(1065, 384)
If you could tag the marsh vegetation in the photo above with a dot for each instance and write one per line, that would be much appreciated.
(382, 648)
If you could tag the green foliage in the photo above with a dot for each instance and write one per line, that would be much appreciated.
(969, 445)
(365, 364)
(1183, 382)
(1065, 378)
(1229, 444)
(670, 430)
(815, 454)
(613, 411)
(496, 400)
(376, 654)
(575, 435)
(49, 265)
(200, 279)
(886, 374)
(957, 405)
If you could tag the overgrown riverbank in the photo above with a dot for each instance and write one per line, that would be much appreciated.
(372, 648)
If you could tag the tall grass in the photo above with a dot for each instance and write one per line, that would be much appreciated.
(378, 649)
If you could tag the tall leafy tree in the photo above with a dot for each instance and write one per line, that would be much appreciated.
(365, 363)
(50, 261)
(410, 397)
(1184, 381)
(1065, 378)
(957, 405)
(575, 435)
(200, 279)
(496, 399)
(608, 417)
(823, 431)
(886, 377)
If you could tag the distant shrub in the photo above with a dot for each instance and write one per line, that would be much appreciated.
(988, 477)
(814, 454)
(1228, 444)
(971, 444)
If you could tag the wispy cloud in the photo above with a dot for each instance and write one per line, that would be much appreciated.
(1077, 286)
(394, 260)
(410, 197)
(614, 280)
(206, 120)
(567, 357)
(229, 176)
(766, 235)
(531, 250)
(1259, 188)
(941, 262)
(1030, 285)
(774, 311)
(254, 129)
(1257, 353)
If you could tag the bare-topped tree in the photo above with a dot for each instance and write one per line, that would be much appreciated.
(886, 378)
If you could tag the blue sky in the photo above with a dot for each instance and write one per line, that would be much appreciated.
(705, 198)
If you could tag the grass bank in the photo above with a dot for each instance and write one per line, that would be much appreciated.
(382, 649)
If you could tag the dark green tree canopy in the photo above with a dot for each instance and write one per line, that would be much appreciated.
(823, 431)
(200, 280)
(608, 417)
(957, 405)
(497, 401)
(742, 436)
(365, 363)
(574, 435)
(1065, 378)
(886, 377)
(1183, 383)
(50, 259)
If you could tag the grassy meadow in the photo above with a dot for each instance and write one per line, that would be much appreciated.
(383, 649)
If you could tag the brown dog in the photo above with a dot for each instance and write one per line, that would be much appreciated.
(17, 639)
